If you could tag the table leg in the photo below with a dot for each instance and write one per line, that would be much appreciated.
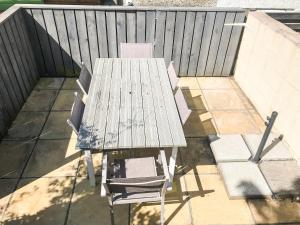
(172, 165)
(90, 167)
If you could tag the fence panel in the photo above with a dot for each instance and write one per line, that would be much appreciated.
(194, 38)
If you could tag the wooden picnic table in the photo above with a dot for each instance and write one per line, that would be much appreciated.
(130, 105)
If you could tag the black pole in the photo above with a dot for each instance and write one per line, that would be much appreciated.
(265, 136)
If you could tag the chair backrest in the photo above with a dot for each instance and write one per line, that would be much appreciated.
(183, 109)
(136, 185)
(172, 76)
(76, 113)
(84, 79)
(136, 50)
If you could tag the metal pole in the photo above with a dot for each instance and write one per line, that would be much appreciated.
(265, 136)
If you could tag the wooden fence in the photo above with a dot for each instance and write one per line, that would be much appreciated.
(18, 70)
(194, 38)
(289, 18)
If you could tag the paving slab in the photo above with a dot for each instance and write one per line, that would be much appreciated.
(283, 177)
(274, 211)
(244, 180)
(229, 148)
(274, 149)
(199, 124)
(39, 201)
(49, 83)
(88, 208)
(70, 84)
(223, 99)
(60, 155)
(215, 83)
(13, 156)
(210, 204)
(235, 122)
(6, 189)
(64, 100)
(40, 100)
(27, 125)
(188, 83)
(56, 126)
(197, 158)
(194, 99)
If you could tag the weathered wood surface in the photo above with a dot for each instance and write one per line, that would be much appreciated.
(18, 68)
(194, 38)
(130, 105)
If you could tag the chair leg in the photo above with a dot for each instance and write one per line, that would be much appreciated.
(162, 211)
(111, 211)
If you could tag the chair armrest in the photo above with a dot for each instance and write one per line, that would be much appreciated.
(164, 164)
(104, 188)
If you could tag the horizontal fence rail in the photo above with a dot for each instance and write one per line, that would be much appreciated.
(18, 70)
(194, 38)
(289, 18)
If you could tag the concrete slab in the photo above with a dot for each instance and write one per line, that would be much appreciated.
(13, 156)
(283, 177)
(244, 180)
(6, 189)
(40, 100)
(64, 100)
(49, 83)
(229, 148)
(60, 155)
(274, 149)
(26, 126)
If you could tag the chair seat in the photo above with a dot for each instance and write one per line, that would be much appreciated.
(127, 198)
(134, 169)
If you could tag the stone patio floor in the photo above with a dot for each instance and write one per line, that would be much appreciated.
(43, 178)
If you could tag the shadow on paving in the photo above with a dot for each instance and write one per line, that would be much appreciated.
(274, 210)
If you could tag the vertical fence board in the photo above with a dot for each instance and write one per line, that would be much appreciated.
(140, 28)
(23, 35)
(4, 117)
(233, 45)
(13, 62)
(169, 35)
(19, 53)
(73, 40)
(214, 43)
(43, 38)
(83, 38)
(206, 39)
(8, 90)
(54, 42)
(223, 44)
(121, 28)
(196, 44)
(7, 102)
(187, 42)
(102, 34)
(35, 42)
(131, 27)
(160, 34)
(10, 76)
(92, 36)
(196, 40)
(178, 37)
(150, 26)
(111, 34)
(64, 41)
